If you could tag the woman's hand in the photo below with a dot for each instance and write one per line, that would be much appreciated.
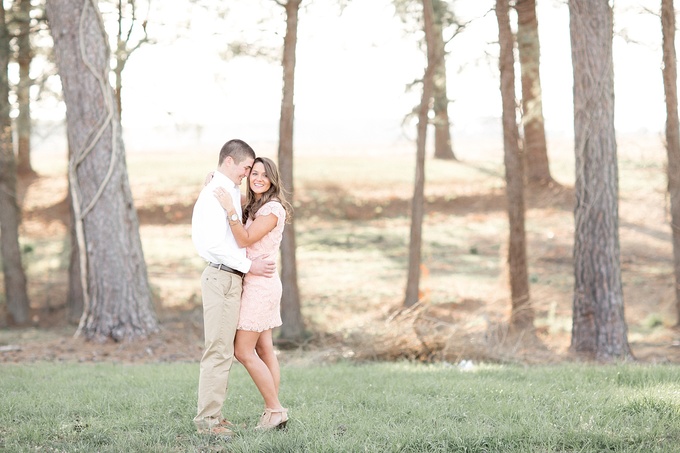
(224, 198)
(208, 178)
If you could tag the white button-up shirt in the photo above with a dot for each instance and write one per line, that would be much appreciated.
(210, 230)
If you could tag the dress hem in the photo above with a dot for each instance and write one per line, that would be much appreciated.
(257, 329)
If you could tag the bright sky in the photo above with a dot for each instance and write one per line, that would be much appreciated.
(351, 75)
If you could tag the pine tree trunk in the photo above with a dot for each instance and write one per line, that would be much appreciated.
(117, 297)
(443, 148)
(670, 80)
(522, 315)
(24, 58)
(599, 326)
(412, 295)
(13, 271)
(293, 327)
(536, 150)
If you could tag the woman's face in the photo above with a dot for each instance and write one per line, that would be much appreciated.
(259, 181)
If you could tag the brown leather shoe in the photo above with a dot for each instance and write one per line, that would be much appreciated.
(218, 431)
(227, 424)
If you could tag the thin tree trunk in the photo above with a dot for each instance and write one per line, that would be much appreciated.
(13, 271)
(75, 299)
(120, 62)
(118, 77)
(538, 169)
(443, 148)
(293, 326)
(23, 90)
(599, 326)
(116, 293)
(128, 40)
(522, 315)
(670, 80)
(412, 295)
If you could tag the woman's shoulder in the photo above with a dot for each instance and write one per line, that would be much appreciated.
(272, 207)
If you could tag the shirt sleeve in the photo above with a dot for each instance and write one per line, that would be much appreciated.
(273, 207)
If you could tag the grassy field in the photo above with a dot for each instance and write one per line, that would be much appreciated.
(352, 223)
(345, 407)
(352, 214)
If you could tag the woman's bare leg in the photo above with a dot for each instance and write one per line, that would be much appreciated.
(265, 349)
(244, 350)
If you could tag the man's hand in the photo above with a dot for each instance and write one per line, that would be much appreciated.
(263, 267)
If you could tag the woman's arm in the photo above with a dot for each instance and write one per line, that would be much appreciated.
(225, 200)
(208, 178)
(256, 231)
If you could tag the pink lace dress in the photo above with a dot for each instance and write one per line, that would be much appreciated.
(261, 298)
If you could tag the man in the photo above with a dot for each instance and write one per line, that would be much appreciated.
(221, 282)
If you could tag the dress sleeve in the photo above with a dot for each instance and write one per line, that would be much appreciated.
(273, 207)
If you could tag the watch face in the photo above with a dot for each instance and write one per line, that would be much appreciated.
(234, 217)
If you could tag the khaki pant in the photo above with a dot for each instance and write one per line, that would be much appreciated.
(221, 293)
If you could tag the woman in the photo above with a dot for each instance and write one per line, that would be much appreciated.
(265, 213)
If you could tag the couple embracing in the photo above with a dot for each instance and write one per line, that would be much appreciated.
(239, 237)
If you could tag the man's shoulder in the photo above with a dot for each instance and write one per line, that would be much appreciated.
(203, 202)
(205, 191)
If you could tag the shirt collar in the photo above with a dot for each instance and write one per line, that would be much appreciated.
(222, 180)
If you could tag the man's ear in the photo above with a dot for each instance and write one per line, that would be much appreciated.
(228, 161)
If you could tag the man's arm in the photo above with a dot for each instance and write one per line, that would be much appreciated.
(263, 267)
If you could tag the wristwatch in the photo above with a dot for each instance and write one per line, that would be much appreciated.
(233, 219)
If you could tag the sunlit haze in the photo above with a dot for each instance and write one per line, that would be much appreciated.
(352, 72)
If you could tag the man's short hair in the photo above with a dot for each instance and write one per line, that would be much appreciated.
(237, 149)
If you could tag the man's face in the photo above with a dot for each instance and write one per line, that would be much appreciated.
(237, 171)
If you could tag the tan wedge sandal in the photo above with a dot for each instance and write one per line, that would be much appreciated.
(268, 421)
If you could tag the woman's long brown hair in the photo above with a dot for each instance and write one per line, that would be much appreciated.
(275, 192)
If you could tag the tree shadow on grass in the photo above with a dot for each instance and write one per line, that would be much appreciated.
(332, 201)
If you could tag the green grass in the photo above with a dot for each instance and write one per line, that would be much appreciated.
(347, 407)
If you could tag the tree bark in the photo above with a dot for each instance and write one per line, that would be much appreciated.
(117, 297)
(13, 271)
(522, 315)
(599, 326)
(412, 295)
(443, 148)
(536, 150)
(670, 80)
(293, 327)
(23, 90)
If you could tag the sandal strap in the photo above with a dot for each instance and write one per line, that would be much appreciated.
(275, 411)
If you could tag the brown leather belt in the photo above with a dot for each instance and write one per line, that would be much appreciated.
(222, 267)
